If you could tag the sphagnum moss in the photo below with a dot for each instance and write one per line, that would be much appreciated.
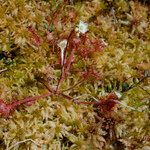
(110, 58)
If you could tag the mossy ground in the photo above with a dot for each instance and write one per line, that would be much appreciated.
(124, 65)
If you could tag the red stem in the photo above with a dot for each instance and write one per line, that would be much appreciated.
(6, 109)
(28, 99)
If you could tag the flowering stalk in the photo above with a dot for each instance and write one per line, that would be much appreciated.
(62, 45)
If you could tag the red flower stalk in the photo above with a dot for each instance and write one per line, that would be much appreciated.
(66, 68)
(72, 44)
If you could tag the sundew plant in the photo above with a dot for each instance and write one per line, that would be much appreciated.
(74, 75)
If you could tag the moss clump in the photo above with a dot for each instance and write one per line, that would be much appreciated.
(112, 57)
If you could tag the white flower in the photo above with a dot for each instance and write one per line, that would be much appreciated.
(82, 27)
(62, 45)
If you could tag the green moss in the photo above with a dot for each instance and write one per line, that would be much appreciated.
(55, 123)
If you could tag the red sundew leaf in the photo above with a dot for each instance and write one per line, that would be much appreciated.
(108, 103)
(97, 45)
(91, 73)
(83, 51)
(51, 39)
(84, 38)
(30, 103)
(29, 100)
(35, 37)
(112, 96)
(89, 45)
(6, 109)
(76, 41)
(104, 105)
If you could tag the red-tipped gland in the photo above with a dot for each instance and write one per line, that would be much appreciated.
(5, 109)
